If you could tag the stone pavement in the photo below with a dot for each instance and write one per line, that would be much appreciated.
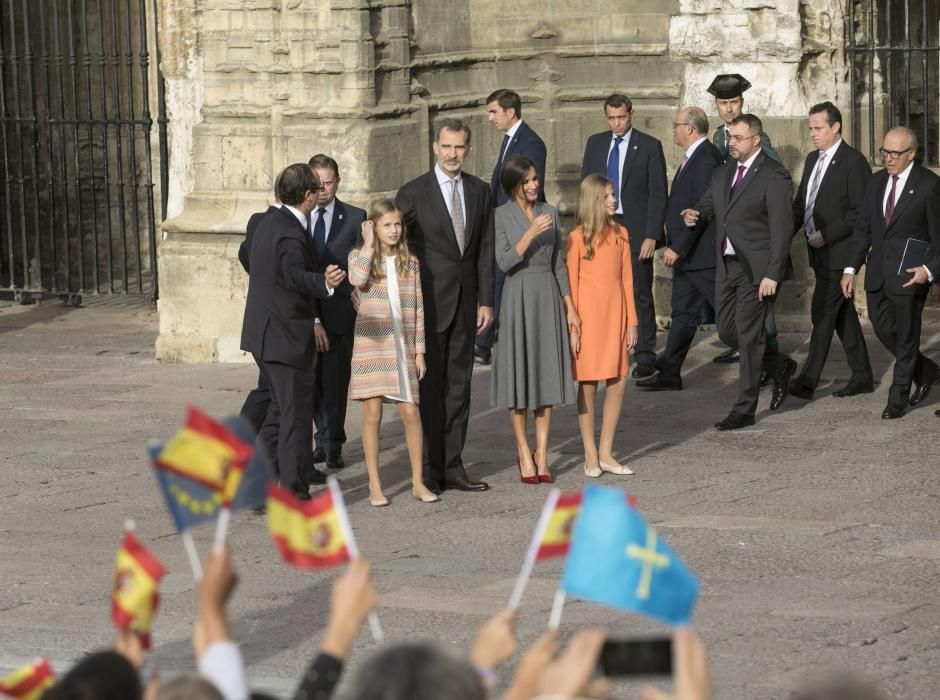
(815, 534)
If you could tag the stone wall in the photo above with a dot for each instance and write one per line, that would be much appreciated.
(254, 86)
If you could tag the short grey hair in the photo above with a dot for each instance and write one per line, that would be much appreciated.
(451, 124)
(188, 687)
(698, 120)
(415, 671)
(911, 136)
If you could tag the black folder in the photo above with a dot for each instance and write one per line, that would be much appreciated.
(916, 254)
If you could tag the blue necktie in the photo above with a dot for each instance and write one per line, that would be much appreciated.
(613, 167)
(319, 234)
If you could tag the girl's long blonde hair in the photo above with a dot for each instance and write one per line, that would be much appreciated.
(592, 212)
(402, 254)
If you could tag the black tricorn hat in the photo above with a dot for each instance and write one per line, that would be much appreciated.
(728, 85)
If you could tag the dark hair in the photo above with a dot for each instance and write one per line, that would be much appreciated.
(106, 675)
(294, 182)
(754, 124)
(618, 100)
(323, 161)
(451, 125)
(515, 169)
(507, 99)
(415, 671)
(832, 113)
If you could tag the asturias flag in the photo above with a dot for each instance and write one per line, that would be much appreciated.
(618, 559)
(308, 534)
(134, 598)
(29, 682)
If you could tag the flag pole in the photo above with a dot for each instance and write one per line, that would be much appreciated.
(221, 527)
(530, 556)
(190, 546)
(554, 619)
(378, 636)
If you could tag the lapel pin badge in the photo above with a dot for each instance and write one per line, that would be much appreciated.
(340, 217)
(910, 191)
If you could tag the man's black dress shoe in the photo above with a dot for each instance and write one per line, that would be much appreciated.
(319, 456)
(937, 412)
(891, 412)
(782, 384)
(434, 486)
(735, 421)
(461, 482)
(335, 461)
(661, 382)
(765, 378)
(727, 358)
(920, 393)
(801, 391)
(316, 476)
(853, 388)
(302, 495)
(643, 369)
(483, 356)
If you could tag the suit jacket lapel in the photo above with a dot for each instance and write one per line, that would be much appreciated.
(907, 194)
(629, 157)
(832, 169)
(748, 178)
(470, 210)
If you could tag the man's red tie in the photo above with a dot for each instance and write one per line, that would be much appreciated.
(889, 205)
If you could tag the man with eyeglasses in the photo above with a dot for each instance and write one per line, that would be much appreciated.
(897, 235)
(635, 163)
(690, 252)
(831, 191)
(750, 199)
(278, 325)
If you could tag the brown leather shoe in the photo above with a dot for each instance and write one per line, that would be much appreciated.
(461, 482)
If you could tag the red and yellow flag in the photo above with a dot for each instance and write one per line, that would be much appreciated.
(29, 682)
(308, 534)
(557, 536)
(207, 452)
(134, 598)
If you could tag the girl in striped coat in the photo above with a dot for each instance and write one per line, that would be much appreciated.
(388, 344)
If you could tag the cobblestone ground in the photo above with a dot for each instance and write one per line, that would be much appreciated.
(815, 533)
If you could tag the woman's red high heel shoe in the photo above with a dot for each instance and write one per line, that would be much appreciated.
(526, 479)
(543, 478)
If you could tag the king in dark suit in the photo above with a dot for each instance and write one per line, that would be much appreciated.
(635, 163)
(335, 228)
(831, 190)
(900, 209)
(691, 251)
(504, 112)
(449, 220)
(751, 201)
(278, 324)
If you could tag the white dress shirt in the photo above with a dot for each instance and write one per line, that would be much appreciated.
(691, 149)
(623, 155)
(729, 249)
(447, 190)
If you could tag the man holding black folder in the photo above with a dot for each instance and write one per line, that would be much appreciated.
(897, 234)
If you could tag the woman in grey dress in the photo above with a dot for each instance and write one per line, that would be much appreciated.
(532, 365)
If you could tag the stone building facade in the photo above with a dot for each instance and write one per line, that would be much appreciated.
(254, 85)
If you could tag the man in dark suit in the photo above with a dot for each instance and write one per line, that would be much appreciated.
(729, 89)
(635, 163)
(278, 325)
(335, 228)
(691, 251)
(751, 202)
(504, 112)
(449, 219)
(831, 190)
(901, 208)
(256, 403)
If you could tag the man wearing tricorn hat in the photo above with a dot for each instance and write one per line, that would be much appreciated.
(728, 89)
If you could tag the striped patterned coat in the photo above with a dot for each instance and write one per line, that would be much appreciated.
(374, 363)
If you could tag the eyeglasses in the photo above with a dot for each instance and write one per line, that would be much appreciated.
(738, 139)
(893, 155)
(675, 124)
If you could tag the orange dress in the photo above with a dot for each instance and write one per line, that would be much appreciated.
(602, 292)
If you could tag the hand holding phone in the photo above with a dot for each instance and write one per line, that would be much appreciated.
(636, 657)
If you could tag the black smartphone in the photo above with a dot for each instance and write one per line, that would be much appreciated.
(636, 657)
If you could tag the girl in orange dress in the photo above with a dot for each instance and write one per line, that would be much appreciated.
(601, 280)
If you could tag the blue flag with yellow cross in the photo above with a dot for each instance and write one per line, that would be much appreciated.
(618, 559)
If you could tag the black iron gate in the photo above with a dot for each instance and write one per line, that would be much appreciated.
(77, 213)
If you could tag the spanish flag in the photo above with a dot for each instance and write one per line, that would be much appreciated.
(134, 597)
(308, 534)
(208, 453)
(557, 535)
(29, 682)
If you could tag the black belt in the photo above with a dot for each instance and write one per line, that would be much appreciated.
(730, 257)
